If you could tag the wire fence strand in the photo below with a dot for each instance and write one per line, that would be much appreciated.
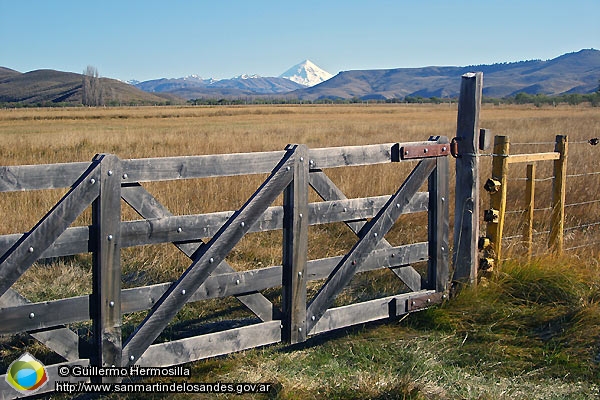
(583, 245)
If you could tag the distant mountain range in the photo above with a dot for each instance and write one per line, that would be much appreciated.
(244, 85)
(577, 72)
(300, 76)
(570, 73)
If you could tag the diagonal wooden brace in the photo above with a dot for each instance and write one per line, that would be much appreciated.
(31, 245)
(325, 188)
(371, 236)
(207, 259)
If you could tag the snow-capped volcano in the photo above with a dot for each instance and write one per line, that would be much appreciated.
(306, 73)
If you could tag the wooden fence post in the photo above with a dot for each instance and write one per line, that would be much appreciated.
(295, 248)
(558, 195)
(496, 214)
(105, 302)
(466, 215)
(530, 201)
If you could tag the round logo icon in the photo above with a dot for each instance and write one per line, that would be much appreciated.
(26, 374)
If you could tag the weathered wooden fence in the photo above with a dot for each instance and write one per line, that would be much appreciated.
(207, 239)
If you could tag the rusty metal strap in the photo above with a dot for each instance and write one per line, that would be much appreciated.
(424, 151)
(424, 301)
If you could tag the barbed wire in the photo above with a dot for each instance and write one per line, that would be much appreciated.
(582, 203)
(572, 228)
(583, 174)
(582, 245)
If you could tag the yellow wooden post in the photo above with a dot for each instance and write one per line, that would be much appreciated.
(495, 216)
(558, 195)
(530, 202)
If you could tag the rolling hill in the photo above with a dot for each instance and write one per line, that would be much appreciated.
(46, 87)
(577, 72)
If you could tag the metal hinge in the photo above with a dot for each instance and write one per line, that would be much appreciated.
(424, 301)
(424, 151)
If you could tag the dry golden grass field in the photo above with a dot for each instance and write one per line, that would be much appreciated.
(43, 136)
(40, 136)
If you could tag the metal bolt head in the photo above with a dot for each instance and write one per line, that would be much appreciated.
(425, 150)
(179, 230)
(312, 162)
(300, 215)
(211, 260)
(299, 329)
(182, 291)
(125, 176)
(30, 249)
(92, 181)
(287, 168)
(299, 273)
(31, 315)
(313, 318)
(242, 224)
(109, 172)
(109, 237)
(345, 209)
(375, 234)
(237, 281)
(111, 304)
(131, 358)
(301, 159)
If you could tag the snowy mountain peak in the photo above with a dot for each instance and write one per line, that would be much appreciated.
(306, 73)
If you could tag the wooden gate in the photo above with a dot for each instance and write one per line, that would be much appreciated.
(107, 179)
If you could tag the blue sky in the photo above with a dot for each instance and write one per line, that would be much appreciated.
(220, 39)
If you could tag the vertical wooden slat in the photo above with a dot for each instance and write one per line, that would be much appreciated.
(105, 304)
(438, 227)
(466, 220)
(558, 195)
(498, 199)
(530, 202)
(295, 247)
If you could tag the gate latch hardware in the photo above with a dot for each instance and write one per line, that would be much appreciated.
(424, 151)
